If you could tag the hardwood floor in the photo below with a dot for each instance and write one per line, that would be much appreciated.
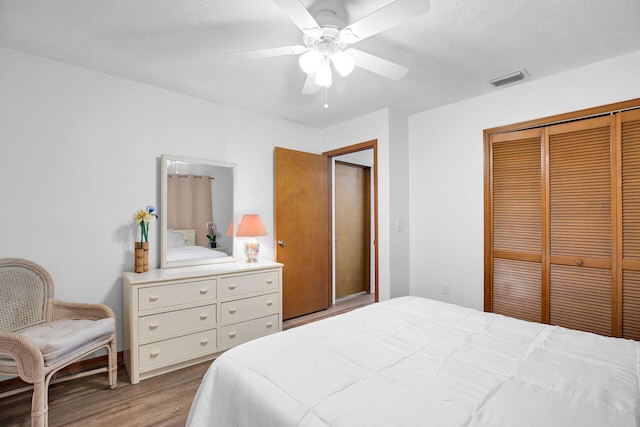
(342, 305)
(160, 401)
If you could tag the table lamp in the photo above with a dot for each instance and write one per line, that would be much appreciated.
(251, 226)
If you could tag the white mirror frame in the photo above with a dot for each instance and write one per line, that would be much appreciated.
(164, 165)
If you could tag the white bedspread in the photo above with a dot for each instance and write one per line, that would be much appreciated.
(189, 253)
(416, 362)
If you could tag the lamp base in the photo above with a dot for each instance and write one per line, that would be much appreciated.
(251, 250)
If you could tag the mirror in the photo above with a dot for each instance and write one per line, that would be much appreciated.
(194, 194)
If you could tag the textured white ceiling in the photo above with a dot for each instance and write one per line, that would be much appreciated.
(451, 52)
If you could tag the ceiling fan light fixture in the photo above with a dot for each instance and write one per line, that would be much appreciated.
(310, 61)
(343, 62)
(323, 74)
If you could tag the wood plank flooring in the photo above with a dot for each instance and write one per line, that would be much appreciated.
(160, 401)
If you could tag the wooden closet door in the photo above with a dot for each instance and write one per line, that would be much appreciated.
(581, 225)
(630, 143)
(352, 229)
(516, 226)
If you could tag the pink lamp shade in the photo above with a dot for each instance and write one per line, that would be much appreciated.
(230, 230)
(251, 226)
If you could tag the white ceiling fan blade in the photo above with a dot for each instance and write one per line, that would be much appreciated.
(266, 53)
(310, 87)
(377, 65)
(384, 18)
(300, 16)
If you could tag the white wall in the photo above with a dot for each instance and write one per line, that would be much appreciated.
(446, 169)
(80, 154)
(399, 217)
(366, 128)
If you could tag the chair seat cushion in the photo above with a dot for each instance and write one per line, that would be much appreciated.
(63, 337)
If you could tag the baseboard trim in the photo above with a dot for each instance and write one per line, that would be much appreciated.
(74, 368)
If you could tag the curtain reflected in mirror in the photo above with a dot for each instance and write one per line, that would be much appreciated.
(189, 205)
(198, 198)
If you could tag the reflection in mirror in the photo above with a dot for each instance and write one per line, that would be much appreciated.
(197, 210)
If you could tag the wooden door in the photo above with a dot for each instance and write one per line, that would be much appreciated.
(628, 272)
(552, 231)
(301, 191)
(581, 225)
(516, 234)
(352, 229)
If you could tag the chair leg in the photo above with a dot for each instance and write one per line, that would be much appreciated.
(39, 405)
(112, 351)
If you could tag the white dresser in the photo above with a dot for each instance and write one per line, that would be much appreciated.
(178, 317)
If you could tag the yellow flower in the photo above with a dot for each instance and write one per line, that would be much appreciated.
(142, 216)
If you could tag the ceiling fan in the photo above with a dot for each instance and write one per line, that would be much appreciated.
(326, 37)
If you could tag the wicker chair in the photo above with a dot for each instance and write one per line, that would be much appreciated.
(40, 335)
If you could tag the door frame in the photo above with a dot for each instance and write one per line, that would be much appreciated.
(372, 144)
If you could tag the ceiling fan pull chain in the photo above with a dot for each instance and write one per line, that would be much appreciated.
(326, 96)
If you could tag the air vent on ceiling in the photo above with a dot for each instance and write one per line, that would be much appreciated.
(509, 78)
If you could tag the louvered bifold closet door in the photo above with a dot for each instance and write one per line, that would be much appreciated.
(631, 224)
(517, 224)
(581, 225)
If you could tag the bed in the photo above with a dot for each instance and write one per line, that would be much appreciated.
(412, 361)
(181, 246)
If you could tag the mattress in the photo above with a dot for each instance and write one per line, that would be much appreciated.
(412, 361)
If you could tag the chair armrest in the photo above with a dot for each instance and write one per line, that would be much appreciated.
(72, 310)
(27, 355)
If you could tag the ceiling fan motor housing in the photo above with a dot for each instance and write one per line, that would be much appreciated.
(329, 34)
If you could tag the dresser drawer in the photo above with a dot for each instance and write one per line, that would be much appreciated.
(245, 331)
(185, 347)
(247, 283)
(176, 321)
(247, 307)
(176, 294)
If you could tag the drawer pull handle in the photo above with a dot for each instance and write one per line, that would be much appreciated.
(269, 281)
(153, 325)
(269, 324)
(232, 286)
(232, 334)
(232, 310)
(154, 353)
(269, 302)
(579, 262)
(204, 341)
(203, 316)
(203, 291)
(153, 298)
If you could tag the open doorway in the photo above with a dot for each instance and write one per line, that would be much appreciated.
(354, 222)
(303, 206)
(352, 231)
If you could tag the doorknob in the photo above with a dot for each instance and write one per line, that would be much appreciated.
(281, 243)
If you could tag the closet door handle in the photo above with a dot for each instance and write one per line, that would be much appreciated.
(281, 243)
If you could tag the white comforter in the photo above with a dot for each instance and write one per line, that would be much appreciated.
(190, 253)
(417, 362)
